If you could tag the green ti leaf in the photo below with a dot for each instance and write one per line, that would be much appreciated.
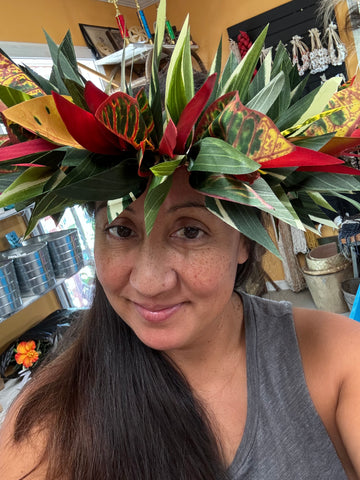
(166, 168)
(241, 77)
(154, 90)
(156, 194)
(215, 155)
(244, 219)
(265, 99)
(10, 96)
(179, 81)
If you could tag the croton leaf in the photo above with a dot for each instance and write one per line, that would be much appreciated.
(25, 148)
(242, 218)
(302, 157)
(12, 76)
(85, 128)
(191, 113)
(147, 116)
(340, 145)
(253, 133)
(344, 121)
(215, 155)
(211, 113)
(40, 116)
(10, 96)
(120, 114)
(227, 187)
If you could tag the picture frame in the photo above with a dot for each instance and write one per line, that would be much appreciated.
(102, 41)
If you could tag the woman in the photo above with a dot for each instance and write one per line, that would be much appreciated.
(173, 374)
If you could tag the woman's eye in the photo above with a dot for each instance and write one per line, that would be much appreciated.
(190, 233)
(120, 231)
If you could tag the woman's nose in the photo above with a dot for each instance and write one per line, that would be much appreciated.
(152, 272)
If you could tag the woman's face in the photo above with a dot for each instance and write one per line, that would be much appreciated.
(174, 287)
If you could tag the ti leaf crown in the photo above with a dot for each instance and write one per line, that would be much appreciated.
(250, 142)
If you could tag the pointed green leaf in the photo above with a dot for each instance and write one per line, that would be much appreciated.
(259, 194)
(166, 168)
(292, 115)
(262, 77)
(156, 194)
(154, 91)
(10, 96)
(313, 143)
(230, 66)
(118, 205)
(29, 184)
(215, 155)
(243, 219)
(241, 77)
(264, 100)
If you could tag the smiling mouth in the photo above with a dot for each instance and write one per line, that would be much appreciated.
(157, 314)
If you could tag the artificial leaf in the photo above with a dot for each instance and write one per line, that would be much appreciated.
(244, 219)
(40, 116)
(215, 155)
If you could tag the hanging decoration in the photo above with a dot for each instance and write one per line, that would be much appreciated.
(120, 20)
(300, 54)
(336, 48)
(244, 43)
(143, 21)
(319, 56)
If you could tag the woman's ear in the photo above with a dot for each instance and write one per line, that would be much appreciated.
(244, 249)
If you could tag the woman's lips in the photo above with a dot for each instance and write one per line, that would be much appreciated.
(157, 314)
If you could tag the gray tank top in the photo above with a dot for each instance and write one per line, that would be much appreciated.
(284, 437)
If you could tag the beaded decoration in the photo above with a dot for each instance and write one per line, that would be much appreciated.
(336, 48)
(319, 56)
(300, 48)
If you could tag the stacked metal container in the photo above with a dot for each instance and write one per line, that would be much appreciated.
(10, 298)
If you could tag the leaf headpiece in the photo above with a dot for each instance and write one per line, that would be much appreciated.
(251, 142)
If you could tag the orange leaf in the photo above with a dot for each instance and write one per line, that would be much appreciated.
(40, 116)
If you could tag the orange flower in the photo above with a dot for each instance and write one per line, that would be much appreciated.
(26, 354)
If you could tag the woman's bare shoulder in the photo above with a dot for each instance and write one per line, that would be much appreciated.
(17, 459)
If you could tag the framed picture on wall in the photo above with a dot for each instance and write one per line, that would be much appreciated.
(102, 41)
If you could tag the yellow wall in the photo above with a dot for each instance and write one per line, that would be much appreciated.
(24, 21)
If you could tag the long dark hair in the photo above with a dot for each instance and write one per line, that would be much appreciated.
(113, 408)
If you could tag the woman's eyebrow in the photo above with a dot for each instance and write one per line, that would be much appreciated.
(186, 205)
(99, 206)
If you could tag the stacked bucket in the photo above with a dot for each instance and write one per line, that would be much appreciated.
(33, 268)
(10, 298)
(324, 273)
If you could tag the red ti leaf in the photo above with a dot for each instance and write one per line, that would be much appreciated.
(301, 157)
(25, 148)
(168, 141)
(94, 96)
(342, 169)
(192, 112)
(84, 127)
